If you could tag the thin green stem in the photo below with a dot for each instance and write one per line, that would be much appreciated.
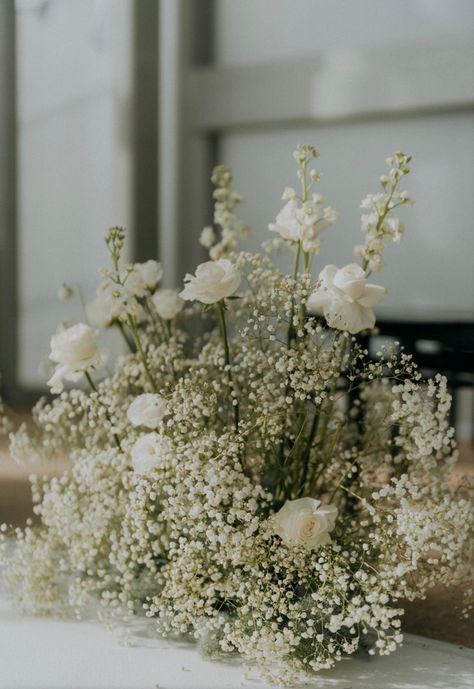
(296, 265)
(134, 330)
(123, 332)
(220, 307)
(107, 415)
(307, 451)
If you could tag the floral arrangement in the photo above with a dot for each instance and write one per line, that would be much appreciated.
(247, 476)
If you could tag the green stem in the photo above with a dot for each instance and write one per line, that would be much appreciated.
(94, 388)
(123, 332)
(307, 452)
(220, 306)
(296, 265)
(134, 330)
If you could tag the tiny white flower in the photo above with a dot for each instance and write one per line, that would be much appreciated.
(147, 410)
(305, 522)
(65, 292)
(346, 298)
(167, 303)
(214, 280)
(207, 237)
(148, 453)
(74, 350)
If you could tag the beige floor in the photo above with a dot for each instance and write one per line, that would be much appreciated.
(435, 617)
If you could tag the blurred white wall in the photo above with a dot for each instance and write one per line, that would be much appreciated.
(251, 31)
(432, 270)
(73, 80)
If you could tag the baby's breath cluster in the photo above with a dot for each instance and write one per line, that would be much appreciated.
(266, 488)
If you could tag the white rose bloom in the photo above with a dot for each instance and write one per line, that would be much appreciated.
(74, 350)
(147, 410)
(167, 303)
(143, 278)
(346, 298)
(214, 280)
(304, 522)
(148, 453)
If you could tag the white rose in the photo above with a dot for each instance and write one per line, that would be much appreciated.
(167, 303)
(304, 522)
(346, 298)
(74, 350)
(148, 453)
(214, 280)
(74, 345)
(143, 278)
(147, 410)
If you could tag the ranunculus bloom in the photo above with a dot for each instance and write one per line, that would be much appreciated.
(304, 522)
(346, 298)
(74, 350)
(214, 280)
(143, 278)
(147, 410)
(167, 303)
(148, 452)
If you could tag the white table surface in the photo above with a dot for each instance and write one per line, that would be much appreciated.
(47, 654)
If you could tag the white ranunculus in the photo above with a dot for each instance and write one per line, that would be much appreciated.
(74, 350)
(143, 278)
(148, 453)
(346, 298)
(305, 522)
(167, 303)
(147, 410)
(214, 280)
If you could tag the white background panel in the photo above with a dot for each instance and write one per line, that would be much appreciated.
(432, 269)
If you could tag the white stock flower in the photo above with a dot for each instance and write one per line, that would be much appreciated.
(286, 223)
(304, 522)
(167, 303)
(74, 350)
(143, 278)
(147, 410)
(346, 298)
(304, 222)
(214, 280)
(148, 452)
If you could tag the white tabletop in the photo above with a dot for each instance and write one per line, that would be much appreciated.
(47, 654)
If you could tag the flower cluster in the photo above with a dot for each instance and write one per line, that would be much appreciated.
(379, 224)
(265, 487)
